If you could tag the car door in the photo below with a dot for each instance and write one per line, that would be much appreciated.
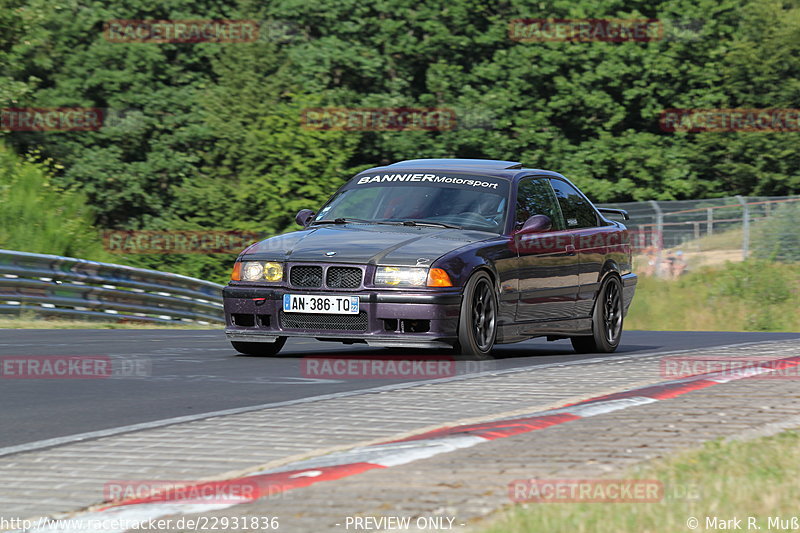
(590, 239)
(547, 267)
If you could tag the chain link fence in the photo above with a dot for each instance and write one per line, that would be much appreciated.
(672, 237)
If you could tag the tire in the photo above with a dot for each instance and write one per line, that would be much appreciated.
(259, 349)
(607, 318)
(477, 321)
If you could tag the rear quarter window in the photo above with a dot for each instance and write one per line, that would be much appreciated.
(577, 211)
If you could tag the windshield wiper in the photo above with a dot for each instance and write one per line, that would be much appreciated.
(429, 224)
(338, 221)
(347, 220)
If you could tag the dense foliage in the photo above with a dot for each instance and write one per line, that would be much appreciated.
(208, 135)
(37, 216)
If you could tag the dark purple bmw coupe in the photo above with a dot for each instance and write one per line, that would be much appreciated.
(433, 253)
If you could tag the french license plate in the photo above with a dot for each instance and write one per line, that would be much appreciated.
(307, 303)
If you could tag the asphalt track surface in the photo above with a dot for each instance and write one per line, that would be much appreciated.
(191, 372)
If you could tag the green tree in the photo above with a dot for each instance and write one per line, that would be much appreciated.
(208, 136)
(271, 164)
(38, 216)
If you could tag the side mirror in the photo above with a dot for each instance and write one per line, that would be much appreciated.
(536, 224)
(303, 217)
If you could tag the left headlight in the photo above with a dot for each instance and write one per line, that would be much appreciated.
(258, 271)
(401, 276)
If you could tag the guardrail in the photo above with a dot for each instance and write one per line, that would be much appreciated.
(68, 287)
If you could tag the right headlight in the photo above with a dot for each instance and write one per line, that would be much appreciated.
(259, 271)
(401, 276)
(252, 271)
(412, 277)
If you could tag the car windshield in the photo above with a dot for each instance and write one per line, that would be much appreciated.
(468, 208)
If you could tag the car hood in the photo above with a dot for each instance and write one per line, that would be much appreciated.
(365, 244)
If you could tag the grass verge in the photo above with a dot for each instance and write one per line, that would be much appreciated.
(758, 478)
(748, 296)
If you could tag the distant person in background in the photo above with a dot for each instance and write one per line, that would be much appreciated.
(668, 266)
(650, 254)
(679, 265)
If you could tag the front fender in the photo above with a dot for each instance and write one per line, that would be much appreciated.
(461, 263)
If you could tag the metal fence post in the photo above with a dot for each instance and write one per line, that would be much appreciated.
(659, 234)
(710, 220)
(745, 226)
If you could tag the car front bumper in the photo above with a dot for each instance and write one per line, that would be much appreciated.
(423, 319)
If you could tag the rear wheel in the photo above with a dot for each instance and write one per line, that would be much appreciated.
(260, 349)
(477, 323)
(606, 321)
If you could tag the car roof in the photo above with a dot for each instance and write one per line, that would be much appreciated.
(471, 163)
(491, 167)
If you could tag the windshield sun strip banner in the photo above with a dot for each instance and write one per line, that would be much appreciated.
(467, 181)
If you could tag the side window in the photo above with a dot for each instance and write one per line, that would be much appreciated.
(577, 211)
(535, 197)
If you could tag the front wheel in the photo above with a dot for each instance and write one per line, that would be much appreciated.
(606, 321)
(477, 323)
(260, 349)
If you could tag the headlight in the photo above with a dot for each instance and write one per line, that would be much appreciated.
(261, 271)
(273, 271)
(401, 276)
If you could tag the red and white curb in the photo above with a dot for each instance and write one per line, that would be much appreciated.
(385, 455)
